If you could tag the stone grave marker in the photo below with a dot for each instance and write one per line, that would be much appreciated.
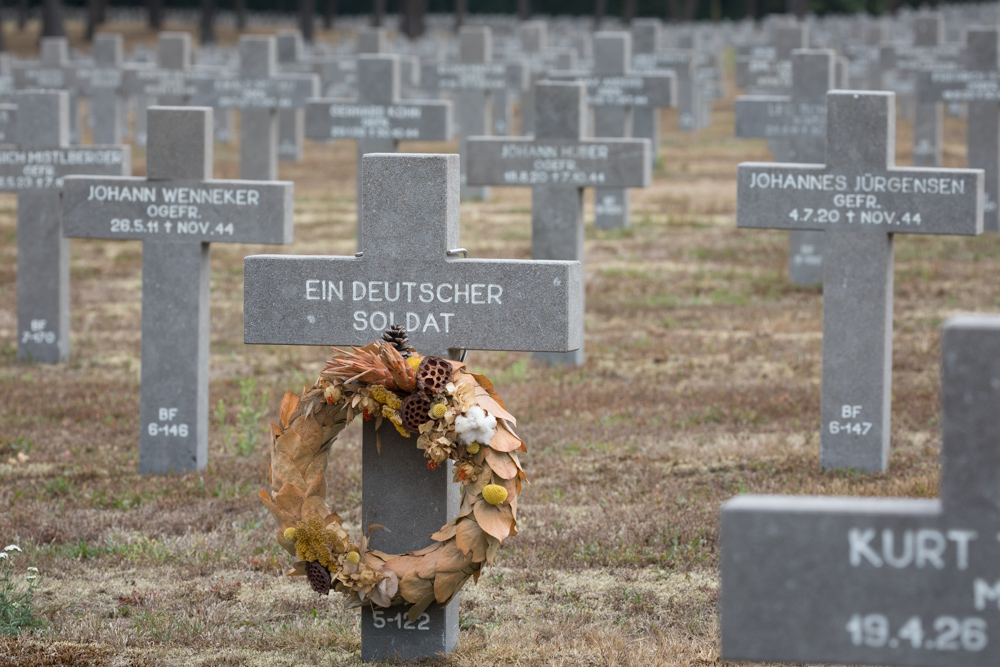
(166, 82)
(860, 199)
(796, 125)
(177, 212)
(35, 170)
(614, 89)
(881, 581)
(558, 163)
(471, 83)
(411, 274)
(768, 70)
(540, 59)
(977, 85)
(259, 93)
(379, 119)
(53, 71)
(102, 85)
(291, 122)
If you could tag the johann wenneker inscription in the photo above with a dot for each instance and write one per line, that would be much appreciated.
(411, 273)
(177, 212)
(881, 581)
(860, 200)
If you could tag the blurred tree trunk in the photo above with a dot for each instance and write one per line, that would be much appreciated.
(752, 10)
(523, 9)
(378, 13)
(674, 10)
(329, 12)
(411, 18)
(690, 9)
(207, 23)
(307, 22)
(600, 6)
(52, 21)
(22, 13)
(241, 15)
(95, 17)
(154, 10)
(460, 8)
(628, 11)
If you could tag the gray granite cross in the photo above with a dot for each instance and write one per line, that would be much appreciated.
(177, 212)
(977, 85)
(796, 126)
(881, 581)
(53, 71)
(614, 89)
(768, 70)
(540, 59)
(35, 170)
(379, 119)
(102, 85)
(166, 83)
(558, 163)
(291, 122)
(860, 199)
(692, 105)
(411, 274)
(259, 93)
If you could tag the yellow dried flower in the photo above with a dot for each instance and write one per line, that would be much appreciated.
(494, 494)
(289, 534)
(413, 362)
(438, 410)
(354, 557)
(386, 397)
(314, 543)
(472, 448)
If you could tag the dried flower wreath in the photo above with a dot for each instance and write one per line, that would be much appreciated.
(455, 415)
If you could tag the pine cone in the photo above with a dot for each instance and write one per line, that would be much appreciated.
(434, 375)
(319, 577)
(415, 411)
(397, 337)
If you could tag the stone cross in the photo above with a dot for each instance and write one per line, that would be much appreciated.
(692, 104)
(796, 126)
(177, 212)
(53, 71)
(614, 90)
(471, 83)
(978, 85)
(259, 93)
(102, 85)
(860, 199)
(35, 170)
(558, 163)
(167, 82)
(768, 70)
(291, 122)
(379, 119)
(540, 59)
(881, 581)
(411, 274)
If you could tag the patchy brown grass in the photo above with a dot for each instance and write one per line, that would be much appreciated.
(702, 382)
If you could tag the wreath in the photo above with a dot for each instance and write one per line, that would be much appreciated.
(454, 414)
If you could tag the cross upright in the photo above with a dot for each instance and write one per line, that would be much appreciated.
(558, 163)
(165, 83)
(102, 86)
(795, 125)
(614, 89)
(860, 199)
(291, 122)
(177, 211)
(978, 85)
(410, 274)
(472, 83)
(692, 105)
(540, 59)
(53, 71)
(35, 170)
(379, 119)
(768, 70)
(258, 93)
(881, 581)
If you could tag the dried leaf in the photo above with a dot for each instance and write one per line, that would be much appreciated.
(494, 520)
(372, 527)
(401, 565)
(383, 593)
(289, 403)
(491, 552)
(414, 589)
(504, 440)
(427, 564)
(501, 463)
(418, 608)
(333, 517)
(485, 383)
(446, 533)
(451, 559)
(486, 402)
(447, 584)
(471, 538)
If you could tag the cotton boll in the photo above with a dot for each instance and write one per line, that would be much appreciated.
(475, 426)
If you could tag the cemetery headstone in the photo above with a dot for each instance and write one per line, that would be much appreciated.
(102, 85)
(291, 122)
(881, 581)
(692, 104)
(860, 199)
(53, 71)
(614, 90)
(768, 70)
(796, 122)
(259, 93)
(558, 163)
(177, 211)
(978, 85)
(35, 170)
(540, 59)
(411, 274)
(379, 119)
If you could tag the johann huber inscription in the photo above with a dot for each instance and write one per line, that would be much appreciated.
(412, 274)
(177, 211)
(881, 581)
(860, 199)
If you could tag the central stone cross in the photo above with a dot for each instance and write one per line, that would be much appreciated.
(881, 581)
(177, 212)
(860, 199)
(411, 274)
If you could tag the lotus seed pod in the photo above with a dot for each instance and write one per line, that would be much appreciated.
(434, 375)
(414, 412)
(319, 577)
(494, 494)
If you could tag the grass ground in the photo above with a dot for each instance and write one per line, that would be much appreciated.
(702, 382)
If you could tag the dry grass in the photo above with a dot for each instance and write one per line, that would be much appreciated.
(702, 382)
